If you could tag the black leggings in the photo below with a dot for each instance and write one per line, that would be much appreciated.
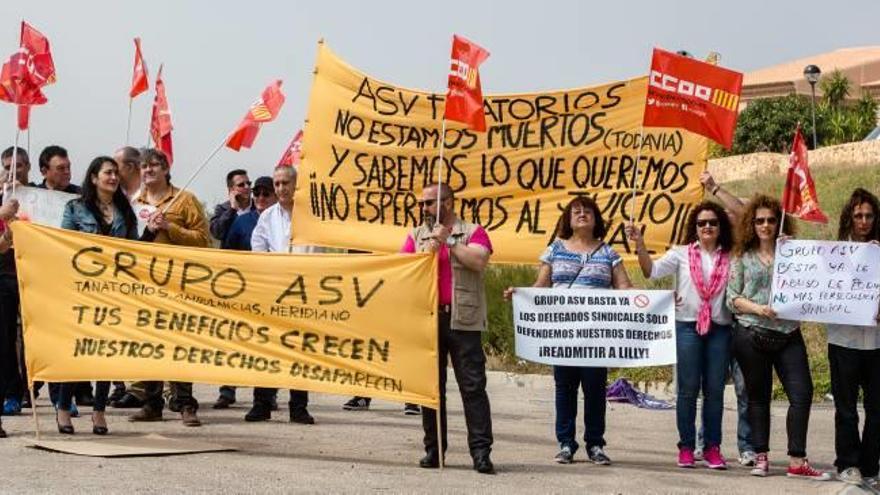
(793, 370)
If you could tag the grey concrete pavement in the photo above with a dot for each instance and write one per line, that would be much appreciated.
(378, 450)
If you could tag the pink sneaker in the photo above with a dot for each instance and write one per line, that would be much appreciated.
(686, 457)
(807, 471)
(762, 465)
(713, 458)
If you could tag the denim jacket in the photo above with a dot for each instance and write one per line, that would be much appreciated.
(78, 217)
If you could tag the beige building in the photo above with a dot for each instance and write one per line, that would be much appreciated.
(861, 65)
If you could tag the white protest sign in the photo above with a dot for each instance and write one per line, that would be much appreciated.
(42, 206)
(142, 212)
(827, 281)
(593, 327)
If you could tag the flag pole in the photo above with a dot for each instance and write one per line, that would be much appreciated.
(14, 165)
(128, 126)
(34, 409)
(440, 169)
(194, 174)
(632, 214)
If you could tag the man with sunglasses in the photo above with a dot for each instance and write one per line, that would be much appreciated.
(238, 188)
(238, 238)
(463, 250)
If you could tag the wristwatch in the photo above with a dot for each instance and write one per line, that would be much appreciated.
(451, 241)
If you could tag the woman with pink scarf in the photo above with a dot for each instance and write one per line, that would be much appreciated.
(703, 324)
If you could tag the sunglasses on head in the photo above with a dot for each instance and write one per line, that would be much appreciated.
(765, 220)
(430, 202)
(711, 222)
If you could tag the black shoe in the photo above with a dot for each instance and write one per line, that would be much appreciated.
(117, 395)
(357, 404)
(411, 409)
(223, 402)
(2, 432)
(258, 413)
(128, 401)
(26, 401)
(430, 461)
(174, 406)
(301, 417)
(483, 465)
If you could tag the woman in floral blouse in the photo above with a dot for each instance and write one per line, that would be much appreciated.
(762, 342)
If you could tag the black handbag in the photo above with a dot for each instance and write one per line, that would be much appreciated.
(765, 340)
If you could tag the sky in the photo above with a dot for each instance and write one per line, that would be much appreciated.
(219, 55)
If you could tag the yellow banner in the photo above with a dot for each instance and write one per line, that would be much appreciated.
(99, 308)
(371, 146)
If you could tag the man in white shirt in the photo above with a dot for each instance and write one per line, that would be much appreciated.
(272, 234)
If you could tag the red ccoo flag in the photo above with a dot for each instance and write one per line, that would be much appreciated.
(292, 154)
(697, 96)
(139, 81)
(39, 64)
(464, 95)
(160, 121)
(263, 110)
(799, 198)
(16, 85)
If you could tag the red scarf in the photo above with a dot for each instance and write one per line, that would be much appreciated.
(717, 281)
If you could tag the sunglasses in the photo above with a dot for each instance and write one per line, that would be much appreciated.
(246, 183)
(707, 223)
(765, 220)
(430, 202)
(262, 192)
(864, 216)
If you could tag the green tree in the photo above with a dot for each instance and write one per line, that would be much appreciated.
(835, 89)
(768, 124)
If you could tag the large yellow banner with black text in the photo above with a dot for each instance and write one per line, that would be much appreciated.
(99, 308)
(370, 147)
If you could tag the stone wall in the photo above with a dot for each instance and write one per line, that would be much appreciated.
(858, 154)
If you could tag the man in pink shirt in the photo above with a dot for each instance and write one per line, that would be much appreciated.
(463, 249)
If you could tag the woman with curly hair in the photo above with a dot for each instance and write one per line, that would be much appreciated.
(854, 359)
(702, 324)
(763, 342)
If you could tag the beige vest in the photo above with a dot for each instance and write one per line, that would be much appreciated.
(468, 292)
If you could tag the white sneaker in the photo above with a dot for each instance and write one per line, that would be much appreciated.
(747, 458)
(850, 475)
(698, 454)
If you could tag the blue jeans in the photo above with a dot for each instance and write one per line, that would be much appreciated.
(743, 430)
(593, 382)
(702, 365)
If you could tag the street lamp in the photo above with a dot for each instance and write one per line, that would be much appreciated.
(812, 74)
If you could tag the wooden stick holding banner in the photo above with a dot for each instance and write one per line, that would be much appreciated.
(440, 170)
(632, 211)
(193, 176)
(34, 409)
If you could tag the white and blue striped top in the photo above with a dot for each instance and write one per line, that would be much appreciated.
(580, 270)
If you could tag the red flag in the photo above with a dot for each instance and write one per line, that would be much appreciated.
(263, 110)
(16, 85)
(40, 64)
(160, 121)
(139, 81)
(464, 95)
(799, 198)
(24, 117)
(697, 96)
(292, 154)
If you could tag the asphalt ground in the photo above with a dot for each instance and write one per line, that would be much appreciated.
(377, 451)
